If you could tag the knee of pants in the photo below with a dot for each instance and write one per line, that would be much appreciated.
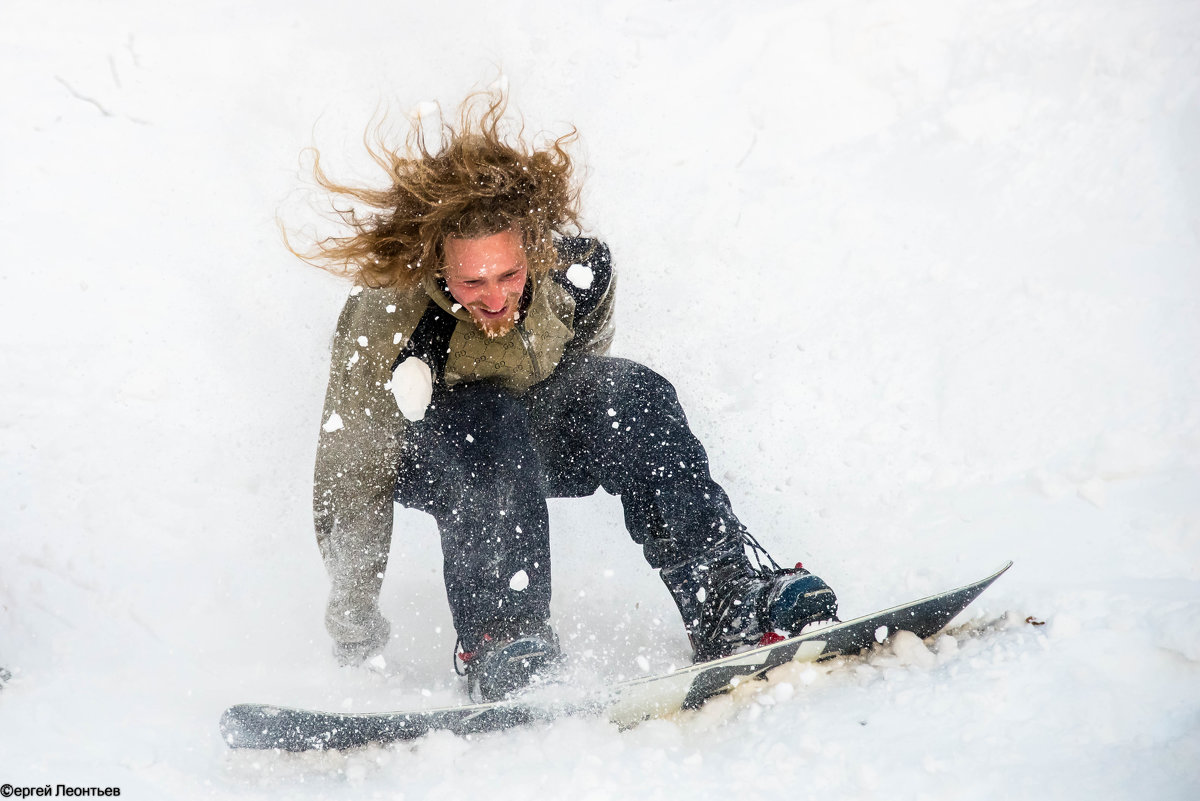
(475, 443)
(630, 380)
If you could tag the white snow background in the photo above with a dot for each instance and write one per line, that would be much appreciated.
(926, 275)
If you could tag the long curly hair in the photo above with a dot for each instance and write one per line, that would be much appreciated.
(477, 181)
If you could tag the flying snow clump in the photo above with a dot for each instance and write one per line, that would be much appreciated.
(412, 387)
(580, 275)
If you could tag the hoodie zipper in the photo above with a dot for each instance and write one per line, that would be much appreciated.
(533, 359)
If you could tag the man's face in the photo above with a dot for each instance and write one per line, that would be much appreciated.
(487, 276)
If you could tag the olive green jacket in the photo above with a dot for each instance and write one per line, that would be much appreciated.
(363, 428)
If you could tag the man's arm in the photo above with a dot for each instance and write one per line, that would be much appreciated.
(355, 473)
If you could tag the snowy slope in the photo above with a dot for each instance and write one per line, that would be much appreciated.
(926, 274)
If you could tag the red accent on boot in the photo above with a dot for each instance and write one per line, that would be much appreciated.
(770, 638)
(467, 656)
(799, 565)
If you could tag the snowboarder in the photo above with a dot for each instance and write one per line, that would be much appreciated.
(470, 379)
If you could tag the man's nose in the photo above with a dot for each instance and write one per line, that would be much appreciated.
(493, 297)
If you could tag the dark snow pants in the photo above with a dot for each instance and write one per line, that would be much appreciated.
(484, 460)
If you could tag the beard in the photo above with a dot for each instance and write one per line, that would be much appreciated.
(496, 327)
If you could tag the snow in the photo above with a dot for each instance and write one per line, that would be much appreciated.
(580, 275)
(412, 387)
(924, 273)
(519, 581)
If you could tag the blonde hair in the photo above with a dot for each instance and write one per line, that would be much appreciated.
(477, 181)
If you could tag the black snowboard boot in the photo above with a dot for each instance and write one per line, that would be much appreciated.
(729, 605)
(503, 665)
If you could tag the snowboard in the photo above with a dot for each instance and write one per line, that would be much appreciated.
(625, 703)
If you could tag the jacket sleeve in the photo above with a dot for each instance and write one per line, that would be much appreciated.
(355, 474)
(595, 299)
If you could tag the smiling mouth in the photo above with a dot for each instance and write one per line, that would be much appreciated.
(492, 315)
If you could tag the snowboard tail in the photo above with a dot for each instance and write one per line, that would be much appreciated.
(625, 703)
(263, 726)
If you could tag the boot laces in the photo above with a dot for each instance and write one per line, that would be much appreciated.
(763, 564)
